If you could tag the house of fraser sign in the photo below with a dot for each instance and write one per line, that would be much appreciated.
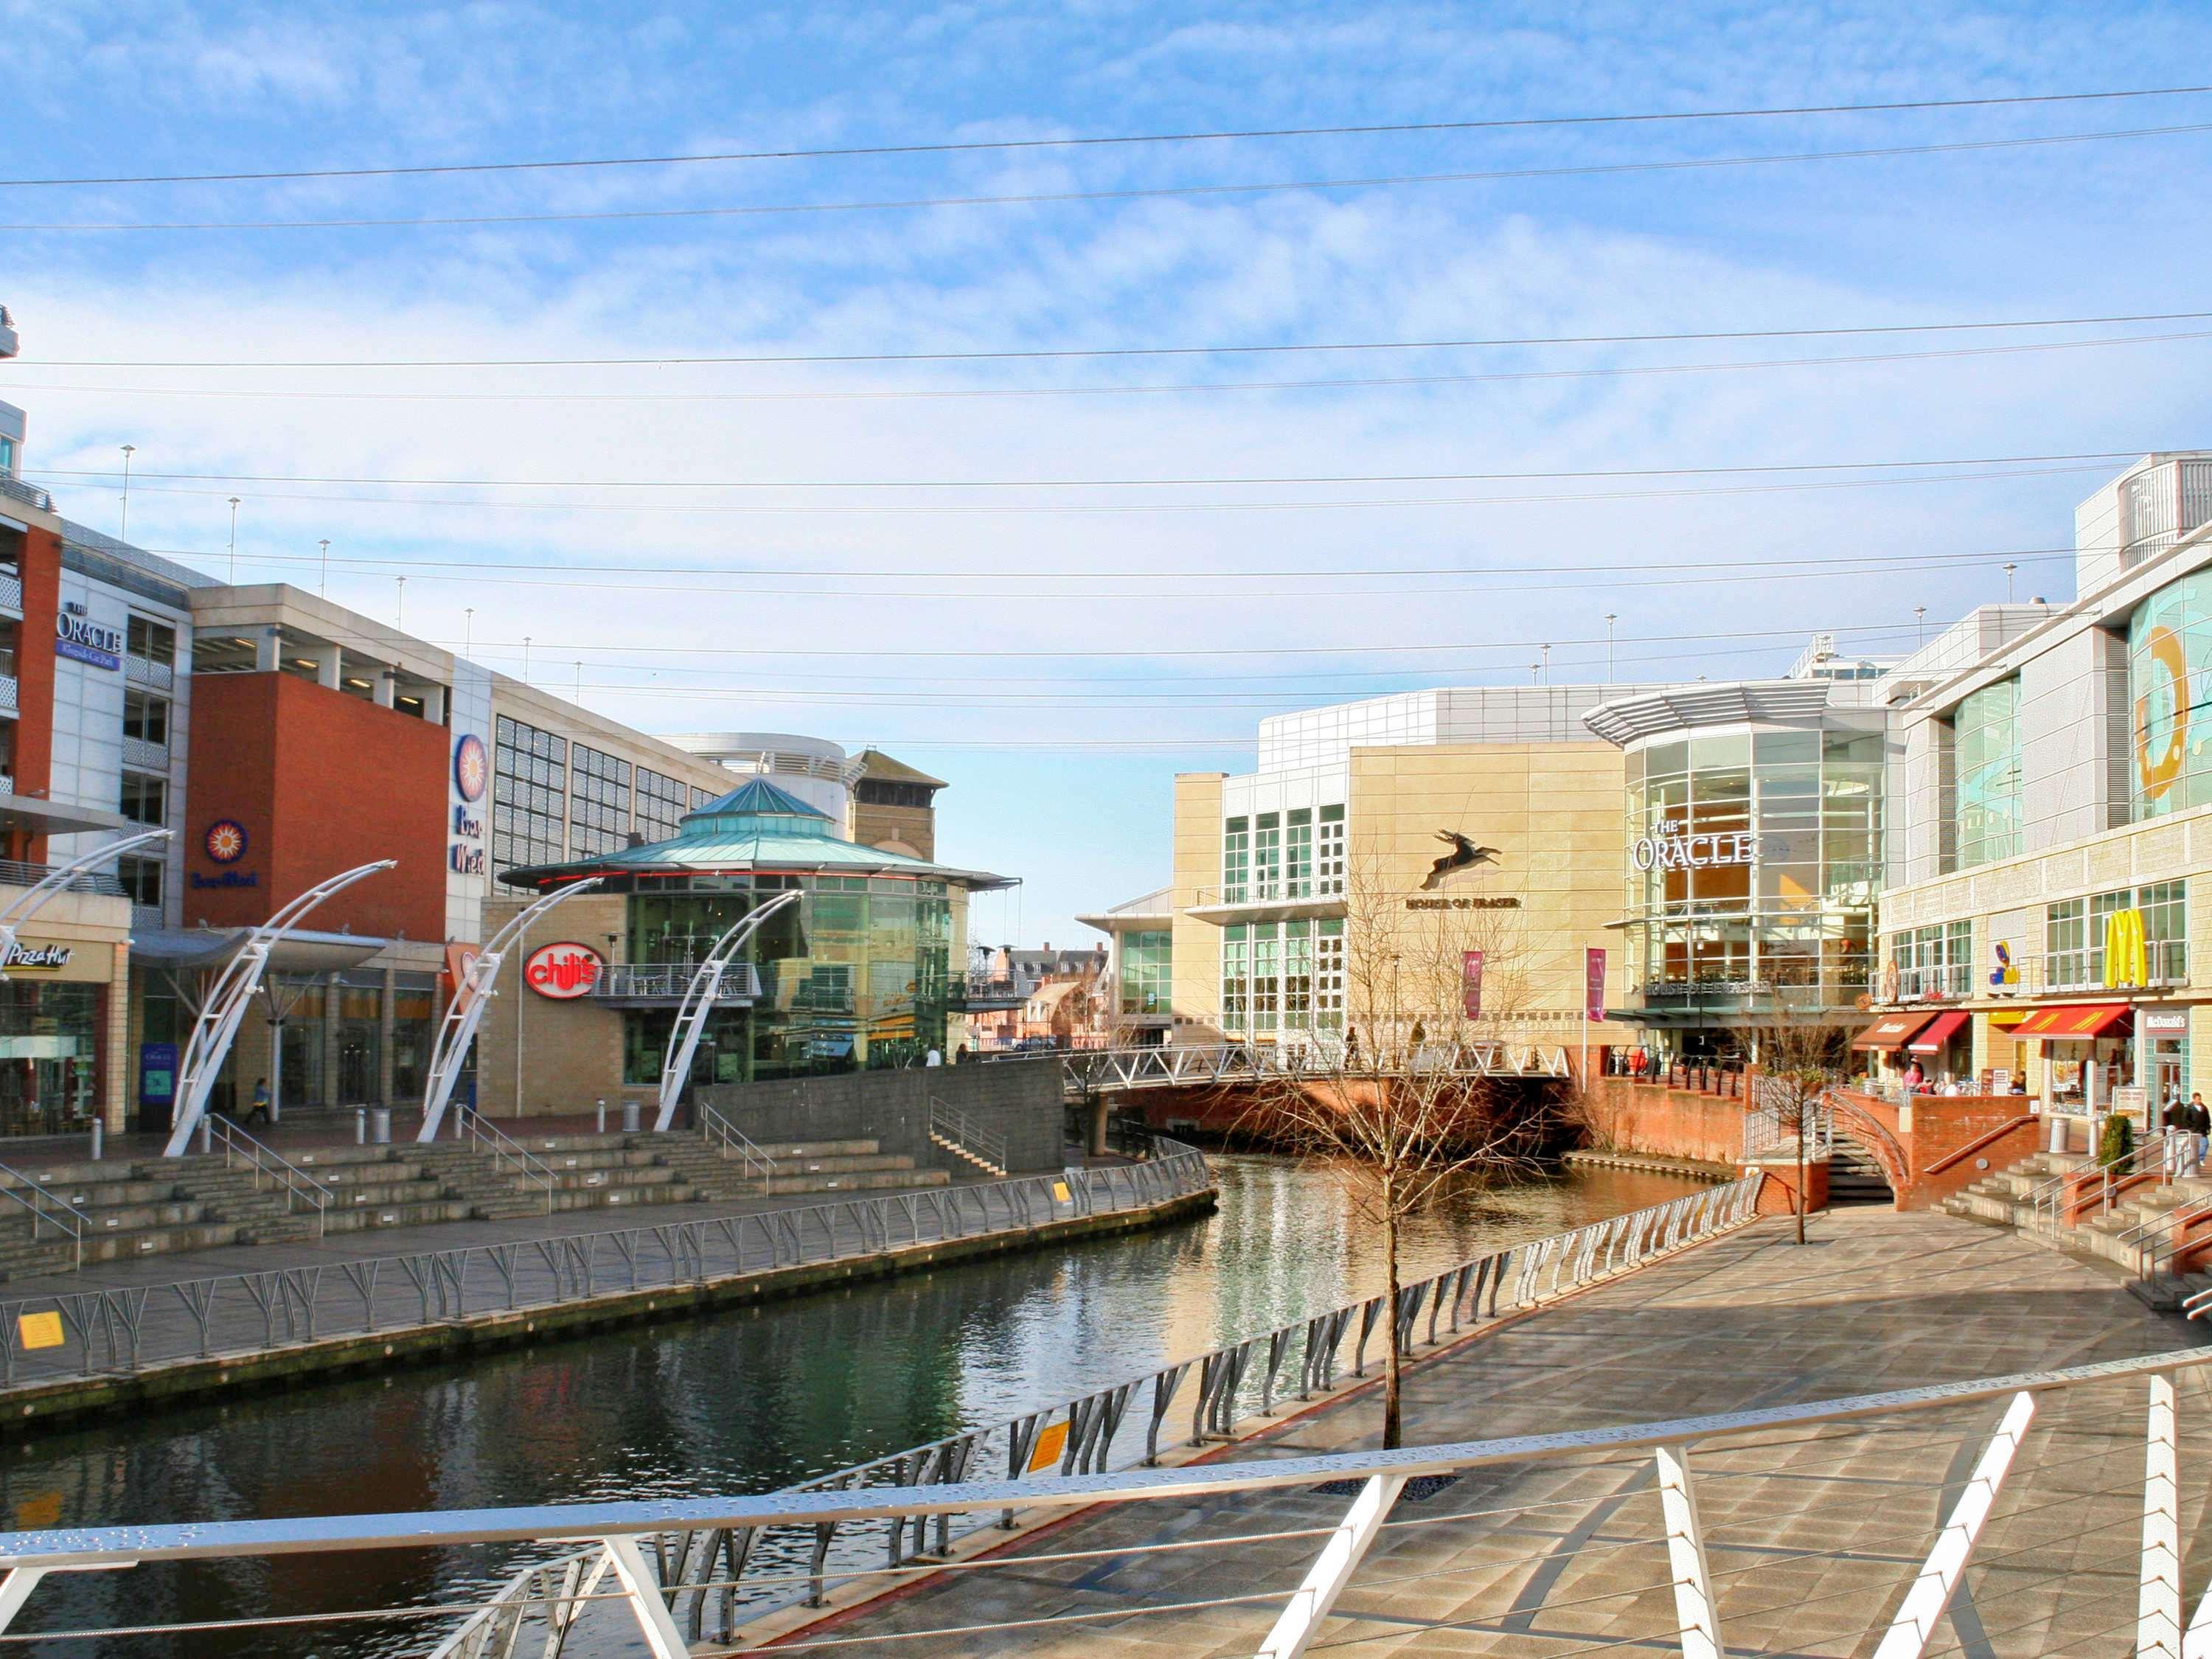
(1671, 849)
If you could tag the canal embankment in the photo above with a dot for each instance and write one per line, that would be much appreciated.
(121, 1335)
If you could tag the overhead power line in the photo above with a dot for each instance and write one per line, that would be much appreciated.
(958, 146)
(909, 394)
(1258, 480)
(1041, 354)
(1147, 192)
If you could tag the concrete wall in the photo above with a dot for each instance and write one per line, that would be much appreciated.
(1016, 1100)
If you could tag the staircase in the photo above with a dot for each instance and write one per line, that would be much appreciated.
(1854, 1177)
(954, 1131)
(2000, 1198)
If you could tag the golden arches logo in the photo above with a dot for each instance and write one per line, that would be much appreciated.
(2163, 646)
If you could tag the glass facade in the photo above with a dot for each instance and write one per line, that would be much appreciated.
(1147, 973)
(2169, 684)
(854, 977)
(1934, 962)
(51, 1054)
(1988, 822)
(1282, 976)
(529, 792)
(1755, 867)
(2074, 935)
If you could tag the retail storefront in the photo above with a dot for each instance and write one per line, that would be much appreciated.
(856, 975)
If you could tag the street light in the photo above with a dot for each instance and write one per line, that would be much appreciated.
(233, 541)
(324, 590)
(400, 616)
(1610, 619)
(123, 534)
(2008, 570)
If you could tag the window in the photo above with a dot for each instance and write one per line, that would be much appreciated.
(1297, 975)
(1329, 974)
(530, 771)
(152, 642)
(659, 806)
(1146, 972)
(146, 718)
(145, 800)
(598, 802)
(1934, 962)
(2165, 908)
(1235, 855)
(2065, 938)
(1328, 872)
(1267, 976)
(1235, 985)
(1297, 853)
(1988, 754)
(7, 456)
(1267, 856)
(142, 880)
(883, 792)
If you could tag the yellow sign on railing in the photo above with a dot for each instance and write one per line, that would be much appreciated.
(39, 1330)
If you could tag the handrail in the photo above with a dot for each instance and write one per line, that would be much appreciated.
(505, 1148)
(2055, 1196)
(713, 1126)
(72, 1222)
(956, 1125)
(264, 1159)
(1988, 1138)
(61, 1549)
(2161, 1238)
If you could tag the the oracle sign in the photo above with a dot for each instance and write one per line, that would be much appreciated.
(563, 971)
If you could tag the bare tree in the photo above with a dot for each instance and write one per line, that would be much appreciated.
(1386, 1103)
(1799, 1060)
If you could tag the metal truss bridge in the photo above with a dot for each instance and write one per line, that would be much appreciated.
(1175, 1066)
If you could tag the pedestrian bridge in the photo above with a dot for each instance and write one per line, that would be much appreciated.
(1178, 1066)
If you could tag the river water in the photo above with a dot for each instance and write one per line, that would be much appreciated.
(743, 1401)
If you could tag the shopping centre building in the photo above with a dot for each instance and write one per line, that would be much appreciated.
(282, 739)
(1990, 857)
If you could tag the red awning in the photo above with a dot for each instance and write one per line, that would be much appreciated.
(1891, 1031)
(2083, 1020)
(1931, 1040)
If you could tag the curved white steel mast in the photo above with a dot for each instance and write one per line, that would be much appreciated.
(467, 1011)
(28, 904)
(691, 1017)
(213, 1032)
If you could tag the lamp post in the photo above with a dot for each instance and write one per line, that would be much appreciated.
(2009, 570)
(324, 590)
(400, 613)
(1610, 619)
(124, 533)
(233, 541)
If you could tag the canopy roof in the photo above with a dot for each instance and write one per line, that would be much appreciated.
(756, 826)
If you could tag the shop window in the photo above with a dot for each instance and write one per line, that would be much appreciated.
(144, 799)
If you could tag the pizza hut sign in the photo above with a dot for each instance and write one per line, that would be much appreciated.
(564, 972)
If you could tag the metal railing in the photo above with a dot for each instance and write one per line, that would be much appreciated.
(13, 873)
(239, 1148)
(673, 1570)
(46, 1210)
(144, 670)
(15, 490)
(733, 1142)
(507, 1153)
(961, 1134)
(146, 755)
(2078, 1190)
(236, 1315)
(11, 589)
(671, 980)
(1771, 1122)
(1181, 1066)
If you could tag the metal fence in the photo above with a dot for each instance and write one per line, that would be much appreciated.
(128, 1329)
(1182, 1066)
(658, 1576)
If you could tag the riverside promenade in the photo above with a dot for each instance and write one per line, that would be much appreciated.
(1813, 1534)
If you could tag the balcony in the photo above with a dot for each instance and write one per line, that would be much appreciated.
(2160, 505)
(145, 756)
(655, 984)
(12, 488)
(15, 874)
(11, 591)
(156, 675)
(1275, 900)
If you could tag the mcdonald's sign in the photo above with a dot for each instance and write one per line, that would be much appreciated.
(2127, 954)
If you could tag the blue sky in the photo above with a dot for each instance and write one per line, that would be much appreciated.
(1034, 644)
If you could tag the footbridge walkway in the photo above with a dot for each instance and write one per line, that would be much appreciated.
(1194, 1066)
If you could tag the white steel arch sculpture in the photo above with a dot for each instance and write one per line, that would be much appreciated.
(28, 904)
(213, 1032)
(691, 1017)
(467, 1011)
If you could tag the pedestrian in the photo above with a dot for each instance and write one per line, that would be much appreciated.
(2199, 1122)
(260, 1111)
(1914, 1077)
(2174, 1130)
(935, 1058)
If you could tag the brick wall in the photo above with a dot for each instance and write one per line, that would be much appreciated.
(1019, 1101)
(1633, 1117)
(571, 1050)
(34, 677)
(321, 781)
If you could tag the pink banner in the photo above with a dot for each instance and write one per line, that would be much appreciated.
(1594, 984)
(1470, 971)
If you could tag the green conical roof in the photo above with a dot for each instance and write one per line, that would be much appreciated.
(758, 798)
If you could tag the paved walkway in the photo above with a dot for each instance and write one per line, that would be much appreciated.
(1810, 1559)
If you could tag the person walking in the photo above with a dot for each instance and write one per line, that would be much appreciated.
(2174, 1122)
(2199, 1122)
(259, 1114)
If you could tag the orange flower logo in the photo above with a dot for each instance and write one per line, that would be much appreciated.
(225, 841)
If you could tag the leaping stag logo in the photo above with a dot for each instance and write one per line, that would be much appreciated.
(1464, 855)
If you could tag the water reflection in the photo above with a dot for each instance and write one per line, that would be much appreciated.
(747, 1401)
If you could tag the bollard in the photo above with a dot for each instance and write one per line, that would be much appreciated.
(360, 1126)
(629, 1116)
(99, 1133)
(380, 1124)
(207, 1135)
(602, 1115)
